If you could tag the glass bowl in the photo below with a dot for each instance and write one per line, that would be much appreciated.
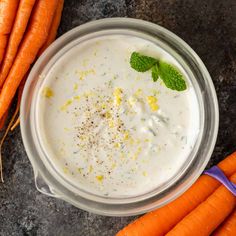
(49, 182)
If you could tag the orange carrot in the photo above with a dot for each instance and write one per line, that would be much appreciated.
(18, 30)
(8, 10)
(228, 227)
(3, 120)
(205, 218)
(160, 221)
(54, 26)
(35, 37)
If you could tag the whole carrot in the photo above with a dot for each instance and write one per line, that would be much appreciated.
(8, 10)
(160, 221)
(35, 37)
(205, 218)
(54, 26)
(18, 30)
(228, 227)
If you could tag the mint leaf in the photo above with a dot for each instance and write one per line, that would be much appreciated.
(171, 77)
(141, 63)
(155, 73)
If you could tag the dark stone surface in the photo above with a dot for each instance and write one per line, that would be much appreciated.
(208, 26)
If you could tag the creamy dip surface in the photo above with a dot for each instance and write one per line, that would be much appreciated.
(111, 130)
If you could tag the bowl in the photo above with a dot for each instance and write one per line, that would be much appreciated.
(51, 183)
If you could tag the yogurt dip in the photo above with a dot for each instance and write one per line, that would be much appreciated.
(111, 130)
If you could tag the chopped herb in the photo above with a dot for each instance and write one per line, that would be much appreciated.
(152, 131)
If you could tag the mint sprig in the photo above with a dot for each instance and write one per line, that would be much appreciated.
(170, 75)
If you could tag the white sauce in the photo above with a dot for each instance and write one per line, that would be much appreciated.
(109, 129)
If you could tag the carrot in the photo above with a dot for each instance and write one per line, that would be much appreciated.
(8, 10)
(35, 37)
(228, 227)
(160, 221)
(54, 26)
(3, 120)
(18, 30)
(204, 219)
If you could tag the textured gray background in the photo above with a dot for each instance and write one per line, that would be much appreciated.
(209, 27)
